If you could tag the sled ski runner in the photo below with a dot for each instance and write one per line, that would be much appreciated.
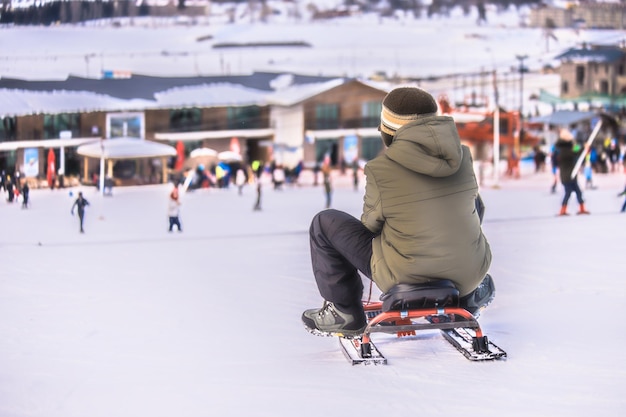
(408, 308)
(462, 340)
(352, 349)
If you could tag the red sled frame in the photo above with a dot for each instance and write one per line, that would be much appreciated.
(475, 346)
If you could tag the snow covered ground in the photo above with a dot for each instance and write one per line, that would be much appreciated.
(129, 320)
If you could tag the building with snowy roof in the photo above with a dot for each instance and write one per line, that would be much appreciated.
(288, 118)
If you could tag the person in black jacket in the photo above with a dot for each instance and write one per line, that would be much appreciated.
(25, 194)
(568, 154)
(80, 204)
(10, 189)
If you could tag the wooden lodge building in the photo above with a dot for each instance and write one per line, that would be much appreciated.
(285, 118)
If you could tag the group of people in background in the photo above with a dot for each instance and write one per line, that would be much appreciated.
(564, 157)
(14, 188)
(223, 175)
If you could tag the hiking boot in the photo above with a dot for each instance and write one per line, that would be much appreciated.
(330, 321)
(476, 301)
(582, 209)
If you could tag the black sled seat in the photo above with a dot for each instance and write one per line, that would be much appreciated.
(438, 293)
(407, 308)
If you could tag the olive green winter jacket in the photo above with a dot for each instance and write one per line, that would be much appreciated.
(420, 201)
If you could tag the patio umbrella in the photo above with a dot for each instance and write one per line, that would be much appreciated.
(123, 148)
(203, 152)
(51, 166)
(229, 156)
(180, 156)
(201, 156)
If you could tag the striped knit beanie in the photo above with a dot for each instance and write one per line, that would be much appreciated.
(401, 106)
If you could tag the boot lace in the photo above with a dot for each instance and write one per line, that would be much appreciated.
(327, 308)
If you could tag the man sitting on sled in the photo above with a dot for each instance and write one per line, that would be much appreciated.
(421, 220)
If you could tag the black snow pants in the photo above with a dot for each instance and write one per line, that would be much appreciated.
(340, 247)
(572, 187)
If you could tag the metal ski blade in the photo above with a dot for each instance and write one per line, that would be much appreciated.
(462, 339)
(352, 349)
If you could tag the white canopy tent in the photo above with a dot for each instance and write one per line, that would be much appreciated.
(203, 152)
(201, 156)
(123, 148)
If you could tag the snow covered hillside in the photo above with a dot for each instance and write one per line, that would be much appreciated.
(451, 50)
(128, 320)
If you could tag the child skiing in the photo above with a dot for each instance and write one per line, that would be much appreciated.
(173, 210)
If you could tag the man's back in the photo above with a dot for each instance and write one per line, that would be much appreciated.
(429, 227)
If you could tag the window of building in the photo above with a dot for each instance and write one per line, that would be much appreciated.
(371, 147)
(327, 147)
(248, 117)
(580, 75)
(564, 87)
(8, 128)
(130, 125)
(326, 116)
(370, 112)
(54, 124)
(604, 87)
(184, 120)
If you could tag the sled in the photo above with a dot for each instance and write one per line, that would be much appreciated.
(409, 308)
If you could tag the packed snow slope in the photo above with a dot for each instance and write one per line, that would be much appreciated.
(129, 320)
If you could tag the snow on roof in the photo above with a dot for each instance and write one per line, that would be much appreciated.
(211, 95)
(297, 93)
(21, 103)
(598, 54)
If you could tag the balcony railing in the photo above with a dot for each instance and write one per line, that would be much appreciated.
(322, 124)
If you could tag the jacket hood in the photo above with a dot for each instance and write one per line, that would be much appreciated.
(429, 146)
